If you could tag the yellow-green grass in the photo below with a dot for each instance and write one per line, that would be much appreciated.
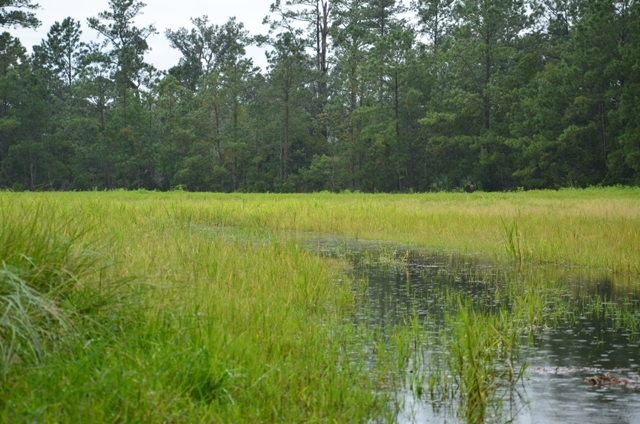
(590, 227)
(594, 227)
(174, 325)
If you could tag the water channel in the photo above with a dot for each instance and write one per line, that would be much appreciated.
(403, 282)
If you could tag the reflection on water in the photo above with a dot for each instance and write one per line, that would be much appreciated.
(403, 282)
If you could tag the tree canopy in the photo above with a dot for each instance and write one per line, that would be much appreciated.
(370, 95)
(17, 13)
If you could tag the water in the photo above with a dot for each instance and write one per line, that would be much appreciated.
(403, 282)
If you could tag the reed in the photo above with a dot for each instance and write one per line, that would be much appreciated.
(471, 369)
(482, 352)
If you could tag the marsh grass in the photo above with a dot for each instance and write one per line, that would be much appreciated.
(130, 315)
(135, 307)
(40, 270)
(513, 243)
(476, 362)
(472, 366)
(618, 315)
(595, 227)
(469, 358)
(479, 361)
(483, 355)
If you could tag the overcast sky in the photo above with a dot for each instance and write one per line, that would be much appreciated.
(163, 14)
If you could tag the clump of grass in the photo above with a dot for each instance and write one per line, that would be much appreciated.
(513, 242)
(41, 263)
(620, 314)
(483, 350)
(29, 321)
(386, 258)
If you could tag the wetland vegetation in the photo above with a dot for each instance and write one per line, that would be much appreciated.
(181, 307)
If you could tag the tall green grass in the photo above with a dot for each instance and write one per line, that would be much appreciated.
(482, 354)
(173, 324)
(128, 306)
(594, 227)
(41, 266)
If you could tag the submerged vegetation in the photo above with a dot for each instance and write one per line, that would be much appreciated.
(156, 307)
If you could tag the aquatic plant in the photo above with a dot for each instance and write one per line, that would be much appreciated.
(513, 241)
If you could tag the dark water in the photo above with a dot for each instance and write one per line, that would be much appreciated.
(402, 282)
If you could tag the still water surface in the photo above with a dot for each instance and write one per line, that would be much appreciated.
(403, 282)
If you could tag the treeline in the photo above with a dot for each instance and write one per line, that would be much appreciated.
(363, 95)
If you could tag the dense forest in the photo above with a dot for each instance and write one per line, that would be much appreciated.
(369, 95)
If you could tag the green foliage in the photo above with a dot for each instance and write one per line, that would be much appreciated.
(504, 94)
(18, 14)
